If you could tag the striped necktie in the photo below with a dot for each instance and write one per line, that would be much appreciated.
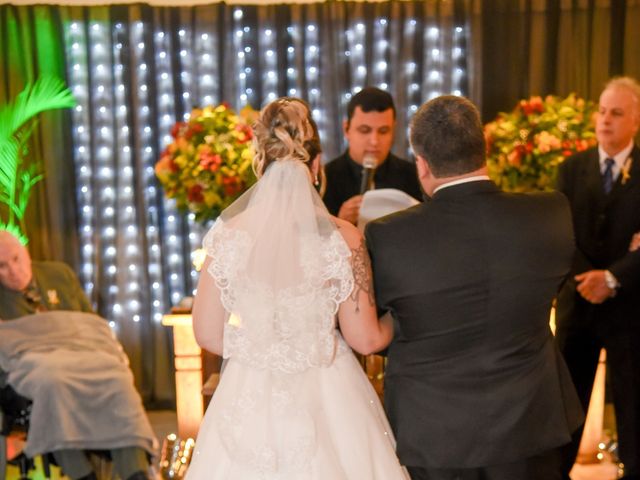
(607, 175)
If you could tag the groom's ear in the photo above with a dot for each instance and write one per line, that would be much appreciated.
(424, 172)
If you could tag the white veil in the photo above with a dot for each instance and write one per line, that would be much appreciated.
(283, 269)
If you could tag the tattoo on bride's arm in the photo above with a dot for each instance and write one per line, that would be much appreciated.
(362, 277)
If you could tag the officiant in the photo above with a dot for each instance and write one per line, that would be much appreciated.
(55, 351)
(368, 129)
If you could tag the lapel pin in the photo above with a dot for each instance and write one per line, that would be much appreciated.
(52, 295)
(626, 169)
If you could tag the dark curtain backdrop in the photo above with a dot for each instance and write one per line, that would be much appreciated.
(540, 47)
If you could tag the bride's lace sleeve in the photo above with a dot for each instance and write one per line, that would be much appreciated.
(228, 249)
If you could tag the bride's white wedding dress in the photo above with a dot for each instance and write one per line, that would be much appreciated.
(293, 403)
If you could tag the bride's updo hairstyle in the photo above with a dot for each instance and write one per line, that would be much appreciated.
(285, 131)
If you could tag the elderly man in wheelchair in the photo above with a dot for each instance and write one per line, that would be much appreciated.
(62, 358)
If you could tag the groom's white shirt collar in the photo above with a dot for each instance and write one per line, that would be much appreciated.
(475, 178)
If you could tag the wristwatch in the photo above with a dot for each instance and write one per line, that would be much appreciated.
(610, 281)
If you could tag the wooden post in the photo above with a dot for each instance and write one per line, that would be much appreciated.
(188, 365)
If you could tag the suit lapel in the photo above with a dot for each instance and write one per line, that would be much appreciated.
(621, 185)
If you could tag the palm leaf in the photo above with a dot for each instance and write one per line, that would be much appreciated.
(47, 93)
(17, 122)
(15, 231)
(29, 180)
(8, 164)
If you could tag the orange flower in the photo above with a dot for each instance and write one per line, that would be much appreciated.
(514, 157)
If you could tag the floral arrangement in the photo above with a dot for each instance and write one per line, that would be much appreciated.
(209, 163)
(525, 146)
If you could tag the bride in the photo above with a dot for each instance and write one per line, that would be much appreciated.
(293, 402)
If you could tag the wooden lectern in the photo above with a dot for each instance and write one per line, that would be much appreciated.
(193, 367)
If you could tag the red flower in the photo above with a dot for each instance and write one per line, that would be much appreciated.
(194, 129)
(581, 145)
(231, 185)
(533, 105)
(246, 133)
(175, 130)
(210, 161)
(514, 157)
(194, 194)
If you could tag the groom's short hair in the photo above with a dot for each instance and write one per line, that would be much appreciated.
(447, 132)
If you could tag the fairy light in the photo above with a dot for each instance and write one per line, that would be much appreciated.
(459, 84)
(293, 77)
(158, 267)
(312, 67)
(78, 74)
(380, 54)
(242, 69)
(123, 218)
(270, 64)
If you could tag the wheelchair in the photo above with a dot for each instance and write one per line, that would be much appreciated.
(15, 411)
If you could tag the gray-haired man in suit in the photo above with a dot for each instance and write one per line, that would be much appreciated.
(600, 306)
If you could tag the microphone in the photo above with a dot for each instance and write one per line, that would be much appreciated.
(369, 164)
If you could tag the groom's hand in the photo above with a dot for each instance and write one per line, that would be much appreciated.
(593, 287)
(350, 209)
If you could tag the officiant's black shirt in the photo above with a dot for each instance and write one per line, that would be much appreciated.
(344, 177)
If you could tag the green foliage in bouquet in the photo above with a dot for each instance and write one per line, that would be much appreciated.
(525, 146)
(17, 122)
(209, 163)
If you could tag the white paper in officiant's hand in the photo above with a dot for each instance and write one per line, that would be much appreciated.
(378, 203)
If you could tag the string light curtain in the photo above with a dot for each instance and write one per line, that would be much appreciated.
(136, 70)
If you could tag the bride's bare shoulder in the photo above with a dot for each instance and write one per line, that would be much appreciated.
(349, 232)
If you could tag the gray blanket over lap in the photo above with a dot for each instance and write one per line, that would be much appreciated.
(78, 377)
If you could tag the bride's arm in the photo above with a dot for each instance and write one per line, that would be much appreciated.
(208, 312)
(357, 315)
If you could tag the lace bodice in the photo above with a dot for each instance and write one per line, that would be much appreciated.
(290, 329)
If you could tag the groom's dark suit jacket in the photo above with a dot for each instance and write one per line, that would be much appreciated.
(473, 376)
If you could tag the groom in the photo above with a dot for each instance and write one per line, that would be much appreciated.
(474, 388)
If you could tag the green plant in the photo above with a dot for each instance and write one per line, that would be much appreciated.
(17, 123)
